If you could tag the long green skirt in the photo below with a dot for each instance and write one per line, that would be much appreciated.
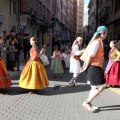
(57, 67)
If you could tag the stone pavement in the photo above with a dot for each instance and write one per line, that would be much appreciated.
(50, 104)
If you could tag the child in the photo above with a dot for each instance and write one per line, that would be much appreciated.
(67, 56)
(12, 55)
(64, 56)
(57, 69)
(43, 56)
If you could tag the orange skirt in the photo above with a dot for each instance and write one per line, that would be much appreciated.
(4, 76)
(34, 76)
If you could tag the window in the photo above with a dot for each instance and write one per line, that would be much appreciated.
(80, 26)
(40, 7)
(47, 14)
(30, 3)
(80, 17)
(44, 10)
(13, 7)
(117, 5)
(79, 30)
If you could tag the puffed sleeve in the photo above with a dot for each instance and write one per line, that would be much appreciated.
(34, 54)
(60, 55)
(53, 55)
(93, 48)
(118, 55)
(76, 51)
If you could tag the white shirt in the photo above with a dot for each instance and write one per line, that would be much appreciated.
(64, 55)
(76, 50)
(94, 48)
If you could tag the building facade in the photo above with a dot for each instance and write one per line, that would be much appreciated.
(80, 15)
(113, 19)
(45, 19)
(92, 18)
(108, 14)
(8, 16)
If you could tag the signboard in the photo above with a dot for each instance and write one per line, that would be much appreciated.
(23, 20)
(1, 19)
(46, 38)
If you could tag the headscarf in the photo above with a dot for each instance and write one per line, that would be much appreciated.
(77, 40)
(100, 29)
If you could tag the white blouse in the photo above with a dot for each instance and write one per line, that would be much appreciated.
(94, 48)
(76, 50)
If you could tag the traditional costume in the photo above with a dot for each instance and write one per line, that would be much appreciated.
(57, 68)
(63, 60)
(5, 80)
(44, 57)
(93, 57)
(112, 71)
(75, 61)
(34, 74)
(67, 61)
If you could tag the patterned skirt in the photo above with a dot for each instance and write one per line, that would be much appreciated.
(113, 76)
(34, 76)
(4, 77)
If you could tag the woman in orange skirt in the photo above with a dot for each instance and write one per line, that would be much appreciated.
(4, 76)
(33, 76)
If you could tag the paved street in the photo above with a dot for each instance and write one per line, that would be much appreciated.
(61, 104)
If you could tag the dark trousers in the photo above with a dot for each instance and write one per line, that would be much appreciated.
(63, 64)
(11, 64)
(26, 55)
(8, 62)
(17, 64)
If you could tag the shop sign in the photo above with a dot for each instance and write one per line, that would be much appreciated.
(1, 19)
(23, 21)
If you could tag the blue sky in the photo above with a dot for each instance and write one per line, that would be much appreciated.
(85, 6)
(86, 11)
(86, 1)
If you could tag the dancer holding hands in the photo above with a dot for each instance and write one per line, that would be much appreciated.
(93, 57)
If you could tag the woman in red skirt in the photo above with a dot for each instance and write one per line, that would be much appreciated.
(112, 71)
(4, 77)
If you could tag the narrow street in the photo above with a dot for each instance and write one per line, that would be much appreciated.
(64, 103)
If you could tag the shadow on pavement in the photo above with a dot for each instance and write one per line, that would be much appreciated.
(67, 77)
(49, 91)
(108, 108)
(13, 91)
